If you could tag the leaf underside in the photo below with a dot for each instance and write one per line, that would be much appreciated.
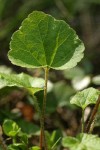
(43, 41)
(21, 80)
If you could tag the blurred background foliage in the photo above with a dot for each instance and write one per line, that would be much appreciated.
(84, 17)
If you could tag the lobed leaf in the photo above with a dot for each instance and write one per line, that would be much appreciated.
(21, 80)
(85, 97)
(43, 41)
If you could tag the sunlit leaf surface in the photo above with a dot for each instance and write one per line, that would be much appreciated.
(43, 41)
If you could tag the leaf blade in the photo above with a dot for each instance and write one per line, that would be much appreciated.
(22, 80)
(85, 97)
(82, 142)
(43, 41)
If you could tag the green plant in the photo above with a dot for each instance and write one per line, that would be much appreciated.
(84, 98)
(85, 141)
(82, 142)
(44, 42)
(19, 139)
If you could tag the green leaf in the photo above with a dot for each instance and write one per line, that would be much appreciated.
(35, 148)
(53, 139)
(23, 138)
(17, 146)
(70, 142)
(85, 97)
(43, 41)
(82, 142)
(22, 80)
(28, 127)
(10, 128)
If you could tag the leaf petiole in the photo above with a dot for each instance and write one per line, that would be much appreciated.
(82, 121)
(42, 136)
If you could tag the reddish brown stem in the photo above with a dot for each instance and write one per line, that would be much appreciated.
(41, 139)
(92, 117)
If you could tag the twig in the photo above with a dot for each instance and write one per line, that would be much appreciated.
(91, 127)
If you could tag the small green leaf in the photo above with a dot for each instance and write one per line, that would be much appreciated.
(17, 146)
(53, 139)
(35, 148)
(43, 41)
(85, 97)
(28, 127)
(22, 80)
(10, 128)
(23, 138)
(82, 142)
(70, 142)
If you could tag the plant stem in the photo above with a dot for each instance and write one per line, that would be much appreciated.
(92, 117)
(92, 126)
(14, 140)
(43, 144)
(39, 112)
(82, 121)
(36, 104)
